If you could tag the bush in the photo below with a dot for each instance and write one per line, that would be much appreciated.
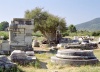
(96, 33)
(65, 34)
(5, 34)
(6, 37)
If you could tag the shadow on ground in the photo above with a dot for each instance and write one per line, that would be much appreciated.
(43, 65)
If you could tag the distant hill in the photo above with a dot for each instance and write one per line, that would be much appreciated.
(93, 25)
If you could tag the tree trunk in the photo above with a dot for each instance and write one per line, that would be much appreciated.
(51, 37)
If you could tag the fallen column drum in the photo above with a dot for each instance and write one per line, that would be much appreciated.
(74, 57)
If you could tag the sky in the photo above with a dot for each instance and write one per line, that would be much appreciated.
(74, 11)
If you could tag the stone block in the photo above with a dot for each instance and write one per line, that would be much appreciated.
(5, 46)
(28, 39)
(6, 63)
(22, 57)
(30, 53)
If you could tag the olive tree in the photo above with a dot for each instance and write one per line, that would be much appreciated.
(46, 23)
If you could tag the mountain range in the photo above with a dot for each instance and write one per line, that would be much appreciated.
(92, 25)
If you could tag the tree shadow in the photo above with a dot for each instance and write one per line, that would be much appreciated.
(43, 65)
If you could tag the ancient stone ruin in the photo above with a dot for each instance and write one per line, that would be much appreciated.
(76, 44)
(6, 63)
(20, 36)
(22, 57)
(74, 57)
(20, 41)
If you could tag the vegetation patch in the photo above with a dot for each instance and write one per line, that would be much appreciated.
(47, 66)
(14, 69)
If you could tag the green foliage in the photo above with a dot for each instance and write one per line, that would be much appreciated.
(14, 69)
(72, 28)
(3, 25)
(70, 31)
(35, 64)
(96, 33)
(65, 34)
(6, 37)
(37, 34)
(5, 34)
(82, 33)
(45, 22)
(78, 33)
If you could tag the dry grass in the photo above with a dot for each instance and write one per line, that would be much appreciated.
(47, 66)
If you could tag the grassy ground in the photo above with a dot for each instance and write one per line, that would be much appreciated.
(47, 66)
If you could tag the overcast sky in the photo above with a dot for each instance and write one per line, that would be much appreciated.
(74, 11)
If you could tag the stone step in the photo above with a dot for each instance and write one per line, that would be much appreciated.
(61, 61)
(71, 52)
(74, 57)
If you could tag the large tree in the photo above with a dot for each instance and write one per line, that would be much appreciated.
(4, 25)
(46, 23)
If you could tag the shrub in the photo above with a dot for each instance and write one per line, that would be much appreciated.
(5, 34)
(6, 37)
(65, 34)
(96, 33)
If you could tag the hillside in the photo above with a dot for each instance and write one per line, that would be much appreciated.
(93, 25)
